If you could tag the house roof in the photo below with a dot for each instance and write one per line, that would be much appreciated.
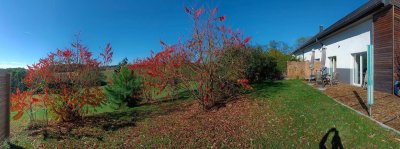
(366, 9)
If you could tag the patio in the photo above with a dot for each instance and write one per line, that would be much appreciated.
(386, 108)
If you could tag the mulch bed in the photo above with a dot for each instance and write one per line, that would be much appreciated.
(228, 126)
(386, 108)
(174, 126)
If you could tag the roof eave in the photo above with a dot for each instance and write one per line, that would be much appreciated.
(359, 13)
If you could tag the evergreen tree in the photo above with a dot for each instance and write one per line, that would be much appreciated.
(125, 88)
(121, 64)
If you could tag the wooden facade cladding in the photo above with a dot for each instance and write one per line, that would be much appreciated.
(384, 48)
(387, 48)
(396, 50)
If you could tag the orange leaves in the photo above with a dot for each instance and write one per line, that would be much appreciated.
(20, 102)
(18, 115)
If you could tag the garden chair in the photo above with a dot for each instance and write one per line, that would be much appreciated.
(318, 77)
(311, 78)
(364, 85)
(333, 79)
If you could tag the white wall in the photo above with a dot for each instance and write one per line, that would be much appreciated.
(343, 44)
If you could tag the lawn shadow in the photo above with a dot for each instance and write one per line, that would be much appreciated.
(360, 100)
(180, 96)
(336, 140)
(13, 146)
(95, 126)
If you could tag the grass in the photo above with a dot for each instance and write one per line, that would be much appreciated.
(280, 114)
(302, 115)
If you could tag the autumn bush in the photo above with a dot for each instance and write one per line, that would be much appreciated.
(210, 64)
(65, 82)
(160, 72)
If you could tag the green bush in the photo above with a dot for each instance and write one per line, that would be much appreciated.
(125, 88)
(260, 66)
(266, 64)
(17, 77)
(281, 60)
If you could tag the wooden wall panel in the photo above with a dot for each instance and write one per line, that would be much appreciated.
(383, 52)
(396, 51)
(300, 70)
(4, 106)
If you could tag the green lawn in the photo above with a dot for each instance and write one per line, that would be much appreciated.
(300, 116)
(280, 114)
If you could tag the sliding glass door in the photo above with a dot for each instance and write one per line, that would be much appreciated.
(332, 65)
(360, 68)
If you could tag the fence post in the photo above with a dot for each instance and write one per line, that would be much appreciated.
(4, 105)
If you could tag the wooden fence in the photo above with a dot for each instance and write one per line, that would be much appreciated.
(300, 70)
(4, 106)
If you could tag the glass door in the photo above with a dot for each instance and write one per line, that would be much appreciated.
(360, 68)
(332, 65)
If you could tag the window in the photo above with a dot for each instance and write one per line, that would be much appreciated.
(332, 65)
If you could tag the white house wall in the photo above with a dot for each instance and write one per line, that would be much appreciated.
(353, 40)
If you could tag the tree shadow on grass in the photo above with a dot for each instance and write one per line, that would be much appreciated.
(180, 96)
(13, 146)
(97, 126)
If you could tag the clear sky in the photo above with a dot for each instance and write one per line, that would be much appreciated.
(30, 29)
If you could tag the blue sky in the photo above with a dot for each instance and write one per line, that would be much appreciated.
(30, 29)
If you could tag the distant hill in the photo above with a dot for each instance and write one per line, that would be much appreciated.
(112, 67)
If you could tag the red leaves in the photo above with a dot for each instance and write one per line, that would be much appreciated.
(245, 83)
(67, 53)
(35, 100)
(200, 58)
(247, 39)
(210, 63)
(187, 10)
(162, 43)
(221, 18)
(198, 12)
(107, 54)
(152, 73)
(241, 81)
(64, 82)
(20, 103)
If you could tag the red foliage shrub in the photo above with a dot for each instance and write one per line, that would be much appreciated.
(210, 64)
(160, 71)
(67, 82)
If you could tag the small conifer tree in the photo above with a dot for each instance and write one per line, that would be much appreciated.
(125, 88)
